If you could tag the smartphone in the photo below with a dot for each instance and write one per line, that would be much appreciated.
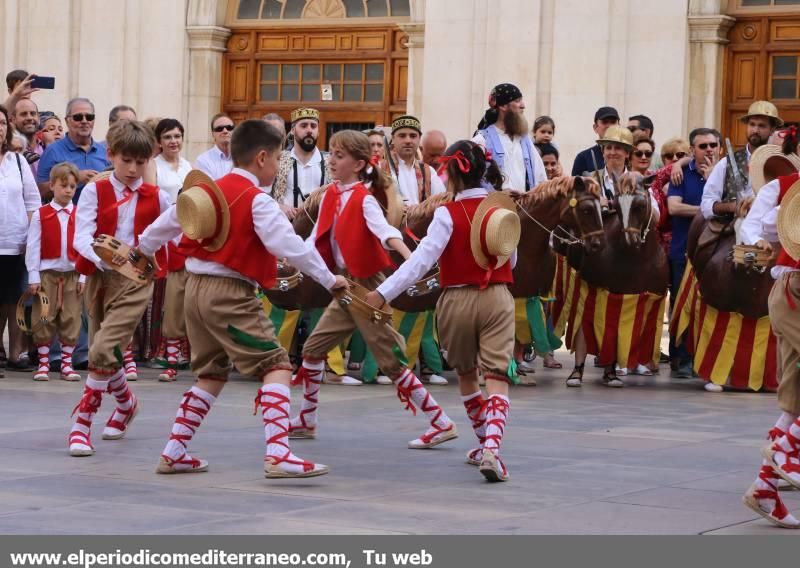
(43, 82)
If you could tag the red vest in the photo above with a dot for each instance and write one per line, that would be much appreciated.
(243, 251)
(51, 233)
(785, 183)
(148, 208)
(457, 266)
(363, 253)
(176, 260)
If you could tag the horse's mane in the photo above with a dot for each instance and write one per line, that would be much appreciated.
(558, 187)
(628, 183)
(313, 201)
(424, 210)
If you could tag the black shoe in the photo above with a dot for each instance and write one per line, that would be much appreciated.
(82, 366)
(19, 366)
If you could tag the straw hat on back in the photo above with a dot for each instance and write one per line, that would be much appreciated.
(203, 211)
(789, 221)
(495, 231)
(768, 162)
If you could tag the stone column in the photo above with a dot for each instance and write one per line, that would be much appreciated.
(707, 41)
(415, 30)
(204, 86)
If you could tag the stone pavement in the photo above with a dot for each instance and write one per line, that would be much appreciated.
(659, 457)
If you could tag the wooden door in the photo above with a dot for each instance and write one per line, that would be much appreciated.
(355, 76)
(763, 62)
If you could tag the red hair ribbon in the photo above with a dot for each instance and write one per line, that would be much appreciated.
(460, 159)
(791, 131)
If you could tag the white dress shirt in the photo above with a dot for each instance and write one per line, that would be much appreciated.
(715, 186)
(19, 195)
(762, 222)
(86, 217)
(309, 176)
(514, 162)
(373, 215)
(429, 249)
(214, 163)
(33, 259)
(407, 181)
(169, 179)
(269, 223)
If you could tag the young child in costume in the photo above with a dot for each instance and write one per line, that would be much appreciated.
(121, 206)
(762, 226)
(50, 259)
(353, 236)
(475, 312)
(233, 235)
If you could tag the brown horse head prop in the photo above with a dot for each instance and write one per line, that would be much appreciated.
(635, 208)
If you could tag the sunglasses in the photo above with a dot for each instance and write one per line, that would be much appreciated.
(705, 145)
(227, 127)
(676, 155)
(81, 116)
(643, 153)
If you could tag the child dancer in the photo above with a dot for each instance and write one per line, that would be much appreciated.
(352, 235)
(50, 259)
(475, 312)
(247, 232)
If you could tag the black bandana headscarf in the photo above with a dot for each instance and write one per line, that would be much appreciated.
(501, 95)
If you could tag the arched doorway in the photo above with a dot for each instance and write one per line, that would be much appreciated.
(345, 57)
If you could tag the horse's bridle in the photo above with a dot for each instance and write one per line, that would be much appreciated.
(635, 230)
(572, 203)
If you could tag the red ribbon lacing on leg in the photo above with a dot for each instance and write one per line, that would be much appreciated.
(186, 406)
(475, 412)
(768, 476)
(404, 392)
(281, 405)
(775, 434)
(493, 406)
(89, 403)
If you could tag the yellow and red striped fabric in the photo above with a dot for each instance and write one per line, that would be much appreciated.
(728, 348)
(621, 328)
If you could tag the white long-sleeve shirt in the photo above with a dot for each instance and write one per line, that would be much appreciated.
(407, 181)
(33, 253)
(429, 249)
(269, 223)
(19, 196)
(373, 215)
(514, 162)
(762, 221)
(715, 186)
(86, 217)
(214, 162)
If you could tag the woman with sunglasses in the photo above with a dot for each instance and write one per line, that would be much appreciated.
(674, 155)
(642, 155)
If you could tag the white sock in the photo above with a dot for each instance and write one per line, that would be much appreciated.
(497, 409)
(192, 410)
(66, 358)
(410, 387)
(311, 386)
(43, 351)
(118, 387)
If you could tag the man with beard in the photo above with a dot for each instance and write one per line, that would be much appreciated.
(416, 181)
(504, 131)
(304, 168)
(26, 122)
(719, 194)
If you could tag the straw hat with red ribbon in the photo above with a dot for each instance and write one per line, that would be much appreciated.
(203, 211)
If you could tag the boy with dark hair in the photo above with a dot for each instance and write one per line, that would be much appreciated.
(231, 250)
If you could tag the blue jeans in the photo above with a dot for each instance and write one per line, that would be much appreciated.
(81, 352)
